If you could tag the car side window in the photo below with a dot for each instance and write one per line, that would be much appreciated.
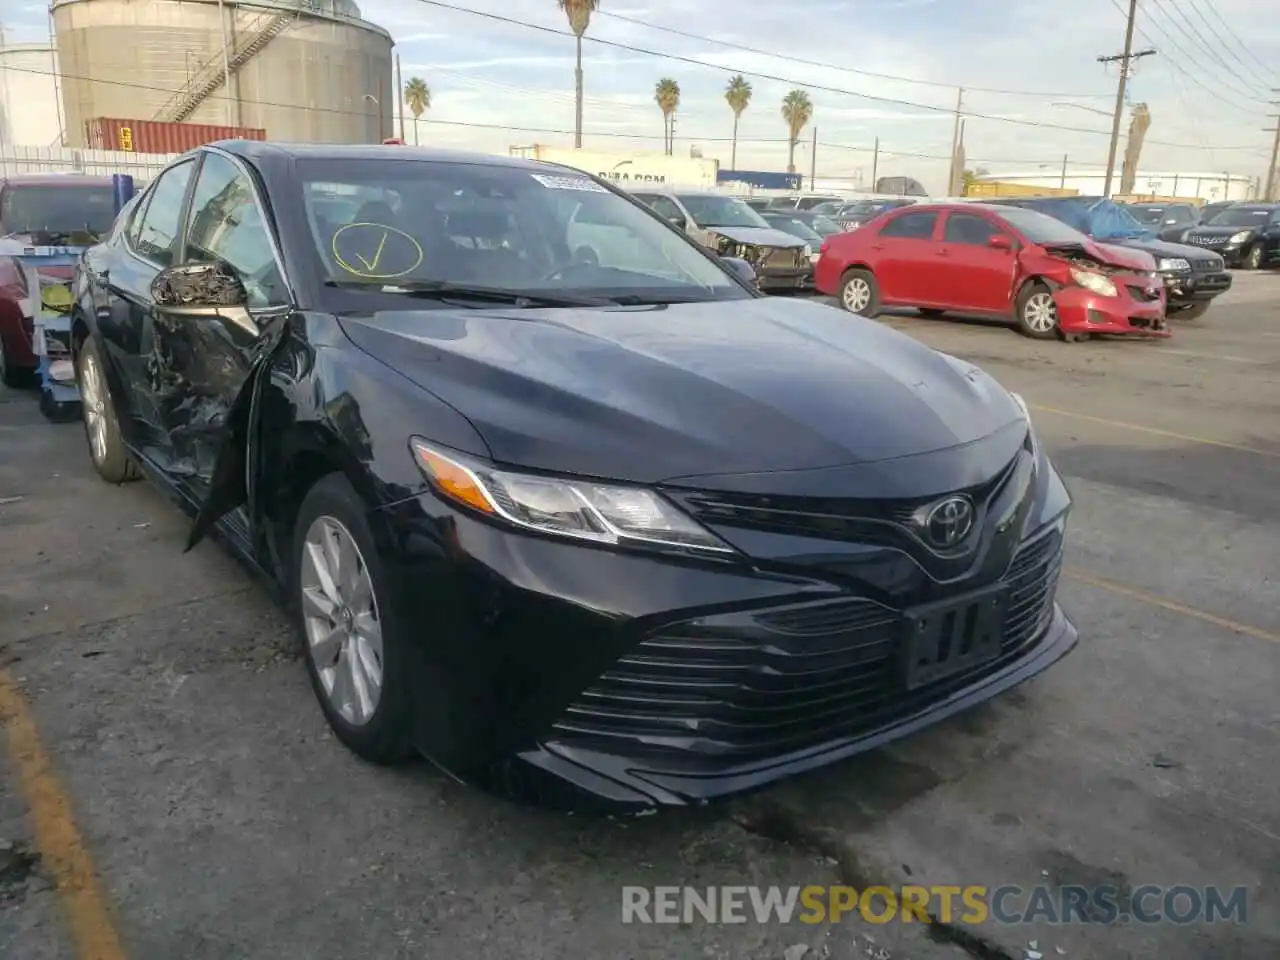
(967, 229)
(910, 226)
(666, 207)
(157, 230)
(227, 225)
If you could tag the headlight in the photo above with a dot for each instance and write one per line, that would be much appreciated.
(580, 509)
(1174, 263)
(1093, 281)
(808, 250)
(1240, 237)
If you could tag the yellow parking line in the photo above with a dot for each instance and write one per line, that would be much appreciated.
(1174, 607)
(62, 849)
(1156, 431)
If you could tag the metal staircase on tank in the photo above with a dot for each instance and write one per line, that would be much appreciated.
(212, 74)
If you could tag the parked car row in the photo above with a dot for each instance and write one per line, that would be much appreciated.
(539, 478)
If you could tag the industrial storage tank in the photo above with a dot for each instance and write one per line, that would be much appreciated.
(303, 70)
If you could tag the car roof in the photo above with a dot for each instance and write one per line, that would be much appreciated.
(259, 150)
(55, 180)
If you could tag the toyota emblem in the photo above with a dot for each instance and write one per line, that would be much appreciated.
(948, 521)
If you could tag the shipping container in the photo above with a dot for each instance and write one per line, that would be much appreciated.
(152, 136)
(629, 170)
(1002, 188)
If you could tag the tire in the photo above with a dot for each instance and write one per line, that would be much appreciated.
(15, 377)
(348, 632)
(101, 427)
(931, 312)
(859, 293)
(1031, 313)
(1253, 259)
(1193, 312)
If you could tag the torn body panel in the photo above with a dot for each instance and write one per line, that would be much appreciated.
(1098, 293)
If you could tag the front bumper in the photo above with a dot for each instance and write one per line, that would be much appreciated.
(645, 680)
(785, 278)
(1082, 311)
(1186, 288)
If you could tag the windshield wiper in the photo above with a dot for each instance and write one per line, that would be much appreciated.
(445, 290)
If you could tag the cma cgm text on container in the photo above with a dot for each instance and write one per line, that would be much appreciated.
(152, 136)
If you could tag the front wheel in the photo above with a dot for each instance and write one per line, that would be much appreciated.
(1253, 259)
(1037, 312)
(343, 607)
(101, 426)
(860, 294)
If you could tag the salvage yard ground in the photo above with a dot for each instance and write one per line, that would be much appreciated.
(168, 790)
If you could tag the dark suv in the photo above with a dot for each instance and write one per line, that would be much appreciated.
(1192, 276)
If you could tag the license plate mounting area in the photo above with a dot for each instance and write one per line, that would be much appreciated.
(946, 638)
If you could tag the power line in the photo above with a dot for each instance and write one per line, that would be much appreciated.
(893, 101)
(1196, 36)
(1266, 71)
(501, 126)
(1175, 65)
(1256, 78)
(833, 66)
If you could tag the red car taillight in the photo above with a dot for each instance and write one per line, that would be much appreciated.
(825, 244)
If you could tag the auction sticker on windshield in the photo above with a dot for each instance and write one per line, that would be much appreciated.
(569, 183)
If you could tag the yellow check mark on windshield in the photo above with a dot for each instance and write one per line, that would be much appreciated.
(372, 265)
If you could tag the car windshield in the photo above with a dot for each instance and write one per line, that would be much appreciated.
(401, 224)
(62, 210)
(829, 207)
(1148, 215)
(712, 211)
(1041, 228)
(795, 227)
(825, 226)
(1242, 217)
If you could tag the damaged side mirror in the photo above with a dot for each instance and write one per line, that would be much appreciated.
(199, 289)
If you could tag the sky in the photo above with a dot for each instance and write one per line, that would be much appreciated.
(886, 69)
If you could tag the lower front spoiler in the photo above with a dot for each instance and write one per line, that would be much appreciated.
(1081, 311)
(621, 782)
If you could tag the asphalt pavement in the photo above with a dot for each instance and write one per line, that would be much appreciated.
(168, 790)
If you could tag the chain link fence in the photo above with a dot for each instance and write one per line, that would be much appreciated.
(15, 161)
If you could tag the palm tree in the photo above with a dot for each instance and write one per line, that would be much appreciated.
(417, 97)
(738, 95)
(667, 95)
(797, 110)
(579, 13)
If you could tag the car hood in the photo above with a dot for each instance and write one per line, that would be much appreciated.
(1158, 248)
(1113, 253)
(656, 393)
(758, 236)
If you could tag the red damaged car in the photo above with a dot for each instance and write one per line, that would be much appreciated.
(1009, 262)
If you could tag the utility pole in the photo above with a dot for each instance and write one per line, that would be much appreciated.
(1125, 60)
(813, 162)
(1062, 183)
(400, 97)
(955, 138)
(875, 162)
(1275, 153)
(671, 137)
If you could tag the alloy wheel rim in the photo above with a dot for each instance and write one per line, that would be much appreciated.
(95, 409)
(1255, 257)
(857, 294)
(1040, 313)
(341, 621)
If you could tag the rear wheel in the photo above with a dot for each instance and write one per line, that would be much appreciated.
(342, 603)
(859, 293)
(101, 428)
(1253, 259)
(1037, 313)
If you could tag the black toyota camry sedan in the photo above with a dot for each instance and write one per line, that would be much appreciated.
(602, 525)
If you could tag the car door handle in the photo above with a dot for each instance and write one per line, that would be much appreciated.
(943, 253)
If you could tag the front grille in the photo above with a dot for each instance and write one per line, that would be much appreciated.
(785, 258)
(1207, 241)
(863, 520)
(1207, 264)
(745, 686)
